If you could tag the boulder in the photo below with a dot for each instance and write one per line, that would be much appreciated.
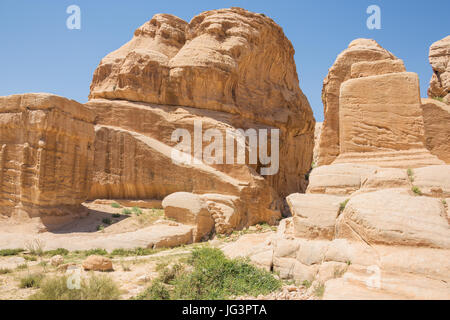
(436, 117)
(359, 50)
(189, 209)
(97, 263)
(439, 57)
(381, 122)
(46, 156)
(374, 68)
(57, 260)
(339, 179)
(433, 181)
(314, 215)
(229, 62)
(393, 218)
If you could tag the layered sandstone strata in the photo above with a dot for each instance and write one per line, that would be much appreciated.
(436, 119)
(380, 120)
(439, 57)
(359, 50)
(46, 155)
(230, 61)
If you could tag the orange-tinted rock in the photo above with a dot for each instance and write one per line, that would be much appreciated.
(359, 50)
(440, 62)
(228, 60)
(436, 119)
(46, 155)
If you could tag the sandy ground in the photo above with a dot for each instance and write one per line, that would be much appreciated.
(103, 227)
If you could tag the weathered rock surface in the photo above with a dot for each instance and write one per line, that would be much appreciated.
(97, 263)
(379, 116)
(440, 62)
(389, 217)
(227, 60)
(46, 156)
(433, 181)
(188, 208)
(359, 50)
(317, 133)
(314, 215)
(436, 118)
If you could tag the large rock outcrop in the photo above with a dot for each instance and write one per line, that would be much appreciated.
(436, 119)
(359, 50)
(381, 122)
(440, 62)
(46, 156)
(230, 61)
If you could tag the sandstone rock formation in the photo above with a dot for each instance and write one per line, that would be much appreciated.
(380, 121)
(440, 62)
(359, 50)
(230, 61)
(317, 133)
(226, 70)
(436, 117)
(97, 263)
(46, 156)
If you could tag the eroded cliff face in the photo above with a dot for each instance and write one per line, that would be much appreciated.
(230, 61)
(359, 50)
(46, 155)
(439, 57)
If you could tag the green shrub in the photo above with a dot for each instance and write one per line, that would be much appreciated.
(126, 211)
(10, 252)
(94, 288)
(439, 99)
(29, 258)
(22, 266)
(133, 252)
(416, 190)
(98, 252)
(59, 251)
(100, 227)
(213, 276)
(157, 291)
(31, 281)
(306, 283)
(106, 221)
(116, 215)
(342, 205)
(410, 174)
(444, 202)
(115, 205)
(319, 290)
(136, 210)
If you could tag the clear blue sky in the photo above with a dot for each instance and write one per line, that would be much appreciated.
(39, 54)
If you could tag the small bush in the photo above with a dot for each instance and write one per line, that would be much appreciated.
(35, 247)
(5, 270)
(410, 174)
(30, 258)
(100, 227)
(319, 290)
(444, 202)
(98, 252)
(306, 283)
(133, 252)
(416, 190)
(22, 266)
(94, 288)
(31, 281)
(126, 211)
(106, 221)
(115, 205)
(56, 252)
(342, 205)
(439, 99)
(116, 215)
(10, 252)
(136, 210)
(157, 291)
